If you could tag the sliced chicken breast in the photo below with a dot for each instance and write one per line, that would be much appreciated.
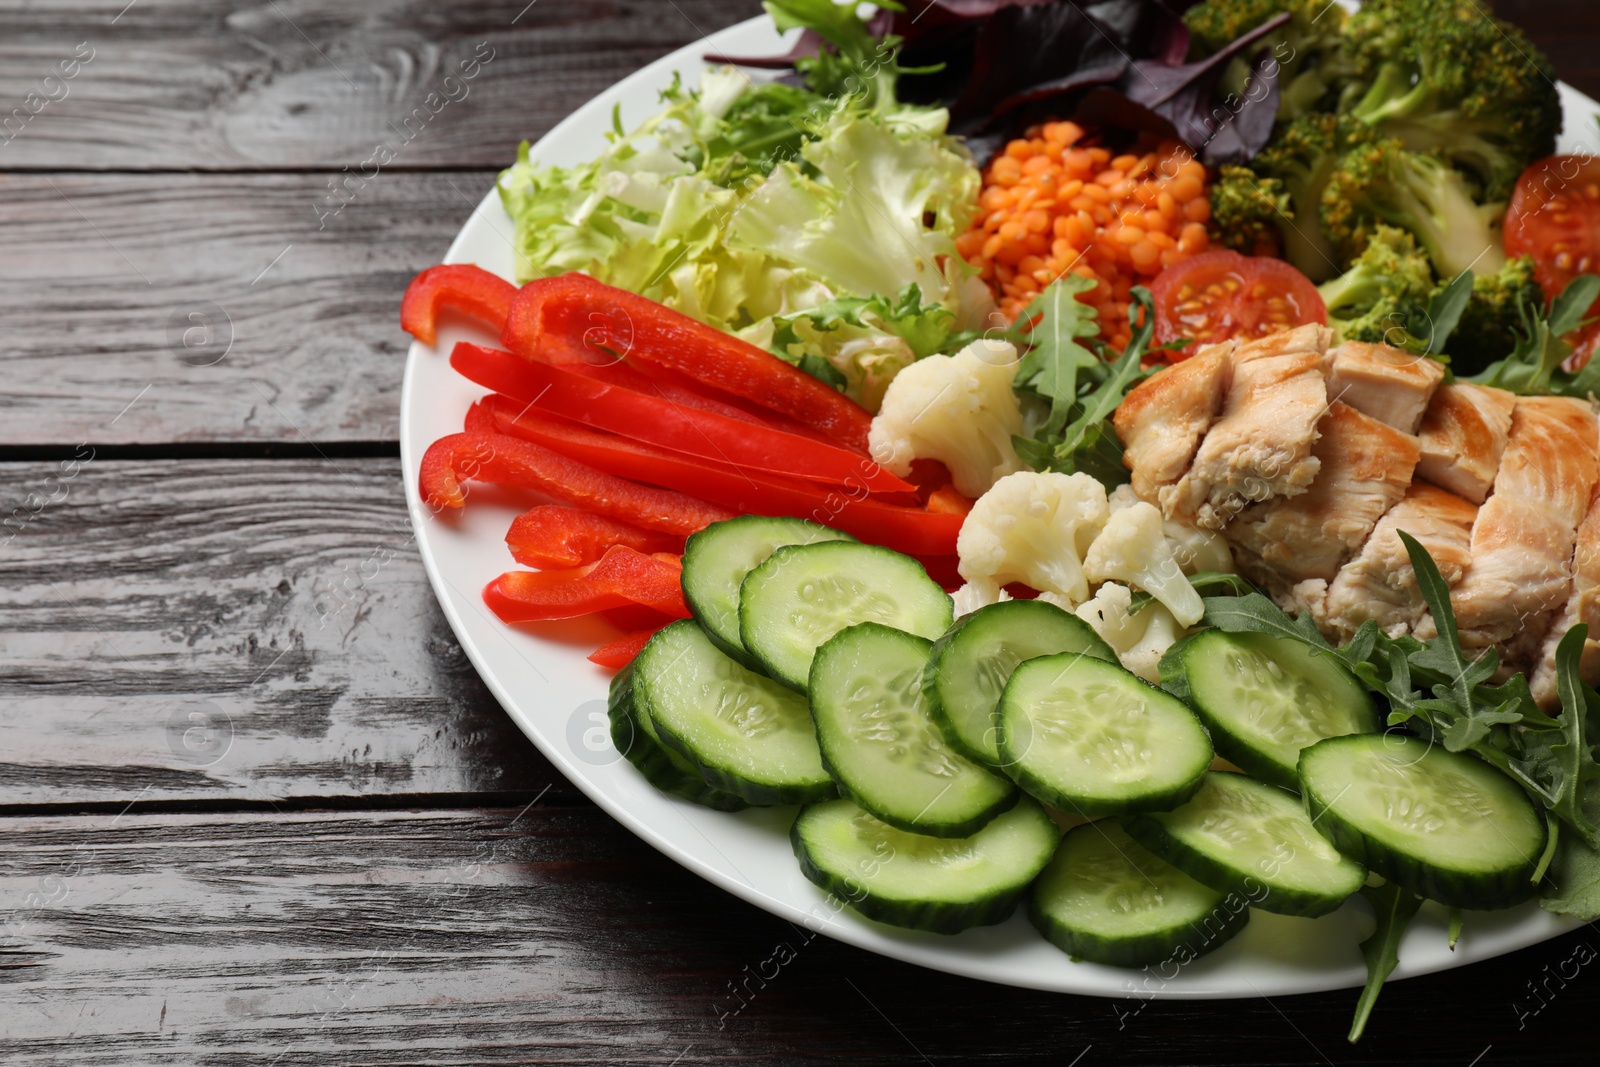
(1463, 436)
(1380, 584)
(1389, 384)
(1522, 541)
(1583, 605)
(1161, 422)
(1365, 467)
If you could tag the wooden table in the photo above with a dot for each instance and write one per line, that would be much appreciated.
(243, 827)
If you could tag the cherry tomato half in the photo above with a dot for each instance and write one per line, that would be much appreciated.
(1221, 294)
(1554, 217)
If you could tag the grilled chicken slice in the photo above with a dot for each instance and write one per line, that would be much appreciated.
(1365, 468)
(1379, 583)
(1300, 340)
(1260, 448)
(1389, 384)
(1524, 535)
(1583, 605)
(1161, 422)
(1463, 437)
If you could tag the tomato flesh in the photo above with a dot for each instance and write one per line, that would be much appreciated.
(1221, 294)
(1554, 216)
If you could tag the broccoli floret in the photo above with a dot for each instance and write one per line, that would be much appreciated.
(1301, 157)
(1385, 182)
(1492, 319)
(1447, 77)
(1379, 298)
(1249, 213)
(1309, 48)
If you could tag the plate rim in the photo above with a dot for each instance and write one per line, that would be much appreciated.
(858, 932)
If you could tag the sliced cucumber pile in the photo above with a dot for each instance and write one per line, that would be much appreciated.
(1105, 898)
(1238, 835)
(716, 560)
(635, 737)
(972, 663)
(880, 743)
(804, 594)
(1265, 698)
(1445, 825)
(746, 734)
(943, 884)
(1094, 739)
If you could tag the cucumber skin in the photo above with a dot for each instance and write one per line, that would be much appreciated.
(752, 793)
(659, 766)
(1175, 680)
(937, 917)
(1475, 891)
(1153, 835)
(936, 709)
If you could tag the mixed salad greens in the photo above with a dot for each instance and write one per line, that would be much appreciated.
(816, 219)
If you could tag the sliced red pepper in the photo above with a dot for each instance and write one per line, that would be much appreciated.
(462, 286)
(648, 417)
(621, 652)
(575, 311)
(524, 464)
(550, 537)
(905, 529)
(623, 576)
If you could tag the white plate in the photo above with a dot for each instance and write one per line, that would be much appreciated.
(557, 697)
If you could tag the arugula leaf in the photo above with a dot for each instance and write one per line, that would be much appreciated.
(1254, 613)
(1444, 313)
(1572, 884)
(1534, 366)
(1394, 909)
(1203, 581)
(1049, 331)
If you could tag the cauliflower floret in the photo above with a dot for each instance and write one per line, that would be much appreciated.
(1196, 550)
(957, 409)
(974, 595)
(1033, 528)
(1133, 548)
(1139, 640)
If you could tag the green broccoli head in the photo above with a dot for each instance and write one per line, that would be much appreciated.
(1301, 157)
(1492, 319)
(1248, 213)
(1309, 48)
(1387, 287)
(1445, 76)
(1385, 182)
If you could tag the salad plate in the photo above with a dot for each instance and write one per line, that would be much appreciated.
(541, 676)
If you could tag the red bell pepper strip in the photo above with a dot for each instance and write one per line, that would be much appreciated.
(551, 537)
(648, 417)
(467, 288)
(621, 652)
(523, 464)
(575, 311)
(623, 576)
(905, 529)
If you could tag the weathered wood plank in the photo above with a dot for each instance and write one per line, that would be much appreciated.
(215, 301)
(174, 84)
(248, 630)
(551, 936)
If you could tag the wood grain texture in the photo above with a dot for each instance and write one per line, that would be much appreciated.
(283, 603)
(216, 301)
(177, 85)
(548, 936)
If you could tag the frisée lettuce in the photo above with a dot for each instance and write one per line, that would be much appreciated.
(821, 228)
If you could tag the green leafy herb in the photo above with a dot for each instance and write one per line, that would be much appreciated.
(1204, 582)
(1534, 366)
(1445, 307)
(1394, 909)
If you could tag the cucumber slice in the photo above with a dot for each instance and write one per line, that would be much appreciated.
(1094, 739)
(635, 737)
(883, 749)
(1238, 835)
(943, 884)
(745, 734)
(971, 664)
(1265, 698)
(1445, 825)
(804, 594)
(1105, 898)
(716, 560)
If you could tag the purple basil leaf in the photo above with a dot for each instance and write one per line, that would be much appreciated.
(1061, 42)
